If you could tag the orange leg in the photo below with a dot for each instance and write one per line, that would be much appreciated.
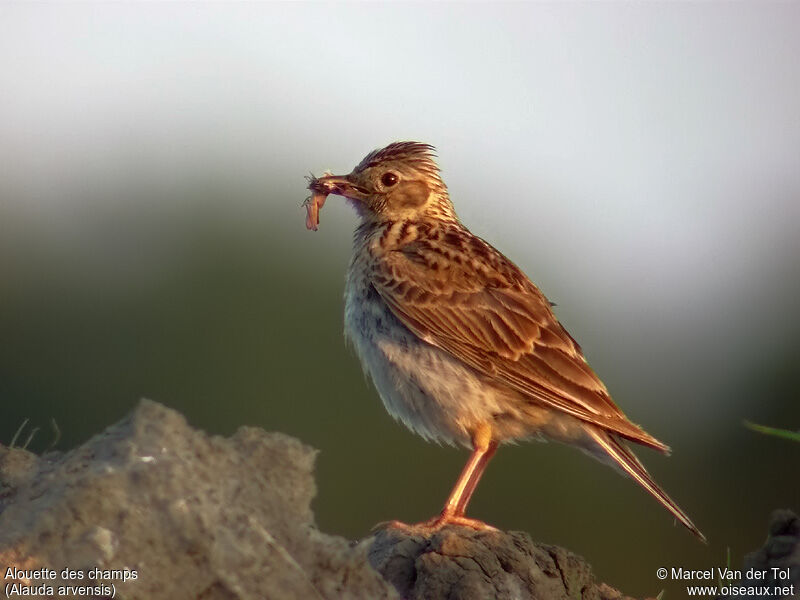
(455, 507)
(468, 481)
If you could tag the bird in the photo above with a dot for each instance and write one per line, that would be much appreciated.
(461, 346)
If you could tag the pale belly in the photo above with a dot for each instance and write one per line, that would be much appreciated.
(431, 392)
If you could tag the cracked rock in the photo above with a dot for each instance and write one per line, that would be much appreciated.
(205, 517)
(458, 563)
(196, 516)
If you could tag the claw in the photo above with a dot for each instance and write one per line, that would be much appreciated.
(435, 524)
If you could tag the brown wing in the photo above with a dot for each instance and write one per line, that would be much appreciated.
(458, 293)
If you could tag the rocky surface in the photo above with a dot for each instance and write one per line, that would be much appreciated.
(461, 563)
(166, 511)
(195, 516)
(778, 559)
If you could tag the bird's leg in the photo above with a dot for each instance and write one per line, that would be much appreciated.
(472, 482)
(455, 507)
(453, 513)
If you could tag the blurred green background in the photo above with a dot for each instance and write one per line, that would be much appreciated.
(639, 163)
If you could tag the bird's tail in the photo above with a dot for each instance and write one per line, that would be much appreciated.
(627, 461)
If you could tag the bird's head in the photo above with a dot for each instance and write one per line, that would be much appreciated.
(399, 181)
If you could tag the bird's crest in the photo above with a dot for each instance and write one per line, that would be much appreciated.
(420, 156)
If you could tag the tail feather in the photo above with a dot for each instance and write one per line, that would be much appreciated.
(628, 462)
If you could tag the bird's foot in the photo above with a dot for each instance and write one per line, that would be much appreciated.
(436, 523)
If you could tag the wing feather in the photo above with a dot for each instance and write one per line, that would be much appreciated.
(460, 294)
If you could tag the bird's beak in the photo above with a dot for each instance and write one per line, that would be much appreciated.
(341, 185)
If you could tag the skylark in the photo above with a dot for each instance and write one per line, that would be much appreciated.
(461, 346)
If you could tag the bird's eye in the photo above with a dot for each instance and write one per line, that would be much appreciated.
(389, 179)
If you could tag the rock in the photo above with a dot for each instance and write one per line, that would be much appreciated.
(778, 560)
(168, 512)
(194, 516)
(461, 563)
